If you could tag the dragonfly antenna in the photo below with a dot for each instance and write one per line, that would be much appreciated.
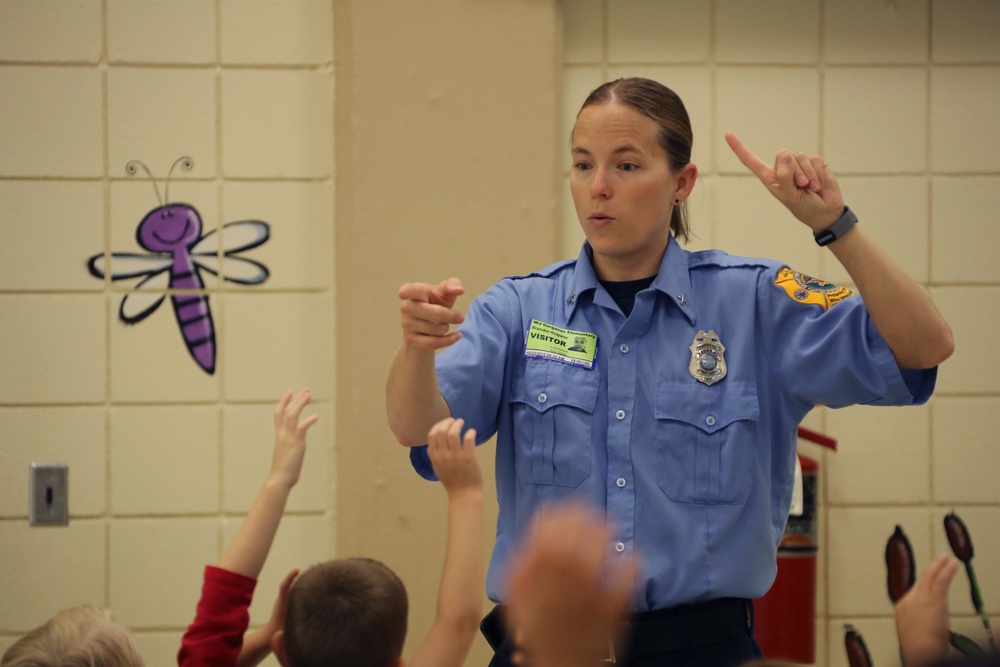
(131, 170)
(186, 164)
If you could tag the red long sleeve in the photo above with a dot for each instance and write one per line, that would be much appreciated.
(215, 637)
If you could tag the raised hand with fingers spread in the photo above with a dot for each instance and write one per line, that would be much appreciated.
(216, 635)
(290, 437)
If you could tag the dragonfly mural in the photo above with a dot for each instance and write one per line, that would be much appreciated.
(178, 253)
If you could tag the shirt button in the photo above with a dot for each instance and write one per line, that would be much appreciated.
(619, 547)
(624, 348)
(620, 482)
(710, 420)
(542, 398)
(620, 414)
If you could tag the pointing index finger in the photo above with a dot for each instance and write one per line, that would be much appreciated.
(747, 157)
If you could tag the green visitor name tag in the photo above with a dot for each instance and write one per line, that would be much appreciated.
(548, 341)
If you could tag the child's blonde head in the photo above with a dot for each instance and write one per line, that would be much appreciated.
(75, 637)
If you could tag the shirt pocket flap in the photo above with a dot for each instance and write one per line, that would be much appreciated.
(546, 384)
(709, 408)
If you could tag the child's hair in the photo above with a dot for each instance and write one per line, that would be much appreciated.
(349, 611)
(75, 637)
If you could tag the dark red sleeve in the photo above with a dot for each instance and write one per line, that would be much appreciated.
(215, 637)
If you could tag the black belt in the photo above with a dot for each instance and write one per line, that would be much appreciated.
(688, 626)
(664, 630)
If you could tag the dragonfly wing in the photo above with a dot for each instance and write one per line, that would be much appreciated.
(147, 297)
(124, 265)
(243, 271)
(236, 237)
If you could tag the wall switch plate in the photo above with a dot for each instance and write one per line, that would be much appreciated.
(48, 497)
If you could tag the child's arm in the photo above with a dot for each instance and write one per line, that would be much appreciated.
(216, 635)
(460, 595)
(248, 550)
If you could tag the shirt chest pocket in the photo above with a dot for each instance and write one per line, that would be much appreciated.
(705, 439)
(553, 407)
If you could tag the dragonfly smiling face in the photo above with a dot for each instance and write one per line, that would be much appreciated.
(169, 228)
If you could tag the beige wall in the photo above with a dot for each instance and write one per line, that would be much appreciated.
(446, 154)
(445, 145)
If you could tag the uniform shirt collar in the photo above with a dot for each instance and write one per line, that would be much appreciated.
(673, 279)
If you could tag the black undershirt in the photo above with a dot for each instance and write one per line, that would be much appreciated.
(624, 292)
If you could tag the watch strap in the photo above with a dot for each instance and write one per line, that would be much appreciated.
(837, 229)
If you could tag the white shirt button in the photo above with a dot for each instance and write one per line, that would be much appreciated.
(619, 547)
(620, 414)
(542, 398)
(620, 482)
(710, 420)
(624, 348)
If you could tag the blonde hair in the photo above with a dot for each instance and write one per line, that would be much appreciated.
(75, 637)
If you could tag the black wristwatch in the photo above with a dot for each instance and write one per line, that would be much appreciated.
(837, 229)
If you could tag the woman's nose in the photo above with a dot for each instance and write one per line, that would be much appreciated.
(599, 187)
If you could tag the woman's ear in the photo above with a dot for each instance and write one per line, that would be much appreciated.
(685, 181)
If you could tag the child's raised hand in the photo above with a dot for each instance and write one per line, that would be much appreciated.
(290, 437)
(922, 614)
(454, 458)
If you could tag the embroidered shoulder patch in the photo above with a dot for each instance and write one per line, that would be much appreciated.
(806, 289)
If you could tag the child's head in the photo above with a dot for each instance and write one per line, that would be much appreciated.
(75, 637)
(349, 611)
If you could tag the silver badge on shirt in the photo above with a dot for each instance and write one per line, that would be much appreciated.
(708, 365)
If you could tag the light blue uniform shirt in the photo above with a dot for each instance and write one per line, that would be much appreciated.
(696, 478)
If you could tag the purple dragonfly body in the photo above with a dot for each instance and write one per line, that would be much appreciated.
(173, 233)
(175, 228)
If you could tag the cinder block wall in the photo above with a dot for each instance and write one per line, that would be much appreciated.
(164, 458)
(900, 98)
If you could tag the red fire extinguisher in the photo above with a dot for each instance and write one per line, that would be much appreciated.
(785, 618)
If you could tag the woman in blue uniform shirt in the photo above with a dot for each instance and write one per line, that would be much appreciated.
(679, 416)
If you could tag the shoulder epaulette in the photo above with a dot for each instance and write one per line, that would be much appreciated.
(547, 272)
(722, 259)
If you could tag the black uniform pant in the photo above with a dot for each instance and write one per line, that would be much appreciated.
(712, 634)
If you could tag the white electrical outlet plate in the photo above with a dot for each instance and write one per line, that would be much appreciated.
(48, 497)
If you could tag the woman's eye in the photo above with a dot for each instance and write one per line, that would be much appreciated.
(628, 166)
(581, 166)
